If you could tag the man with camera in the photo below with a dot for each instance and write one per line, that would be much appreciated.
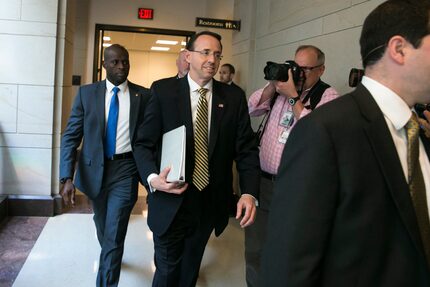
(293, 91)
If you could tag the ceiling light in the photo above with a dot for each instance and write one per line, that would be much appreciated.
(106, 38)
(183, 43)
(160, 48)
(107, 45)
(166, 42)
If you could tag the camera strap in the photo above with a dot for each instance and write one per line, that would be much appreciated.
(263, 123)
(315, 94)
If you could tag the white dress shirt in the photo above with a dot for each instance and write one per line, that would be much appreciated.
(397, 113)
(123, 128)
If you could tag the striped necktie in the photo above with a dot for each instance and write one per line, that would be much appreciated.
(201, 166)
(417, 187)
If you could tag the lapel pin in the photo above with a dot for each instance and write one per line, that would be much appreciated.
(220, 105)
(137, 95)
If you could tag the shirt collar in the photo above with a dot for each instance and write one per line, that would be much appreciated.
(194, 86)
(392, 105)
(122, 87)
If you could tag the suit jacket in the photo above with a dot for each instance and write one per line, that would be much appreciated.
(87, 122)
(233, 84)
(341, 213)
(231, 138)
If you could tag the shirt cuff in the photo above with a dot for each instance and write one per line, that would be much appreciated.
(150, 177)
(256, 201)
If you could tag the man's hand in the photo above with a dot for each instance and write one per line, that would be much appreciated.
(287, 88)
(160, 183)
(425, 124)
(67, 192)
(246, 204)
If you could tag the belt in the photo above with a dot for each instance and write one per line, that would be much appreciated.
(268, 176)
(125, 155)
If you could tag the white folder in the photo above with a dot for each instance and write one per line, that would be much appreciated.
(173, 154)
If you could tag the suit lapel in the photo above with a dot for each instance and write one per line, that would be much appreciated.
(100, 106)
(386, 154)
(218, 106)
(183, 103)
(135, 99)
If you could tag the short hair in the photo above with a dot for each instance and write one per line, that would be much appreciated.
(409, 19)
(114, 47)
(230, 67)
(320, 54)
(193, 38)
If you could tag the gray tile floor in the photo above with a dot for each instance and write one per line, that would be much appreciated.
(66, 252)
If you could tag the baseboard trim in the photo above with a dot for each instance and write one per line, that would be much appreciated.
(3, 208)
(33, 205)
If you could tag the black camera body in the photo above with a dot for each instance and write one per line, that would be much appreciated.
(355, 76)
(279, 72)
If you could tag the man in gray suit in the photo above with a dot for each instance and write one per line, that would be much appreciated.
(105, 116)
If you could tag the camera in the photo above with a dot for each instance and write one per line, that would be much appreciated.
(355, 76)
(279, 72)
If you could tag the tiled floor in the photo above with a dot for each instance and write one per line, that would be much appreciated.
(66, 254)
(17, 237)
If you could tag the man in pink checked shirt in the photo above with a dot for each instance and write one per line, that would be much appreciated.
(288, 107)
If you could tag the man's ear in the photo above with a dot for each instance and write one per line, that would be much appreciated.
(396, 48)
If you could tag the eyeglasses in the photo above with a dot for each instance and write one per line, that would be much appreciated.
(308, 69)
(207, 53)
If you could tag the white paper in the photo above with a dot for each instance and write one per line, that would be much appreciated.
(173, 154)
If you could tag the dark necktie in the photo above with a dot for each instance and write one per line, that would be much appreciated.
(110, 137)
(417, 188)
(201, 167)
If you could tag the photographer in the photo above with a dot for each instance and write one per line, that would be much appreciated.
(284, 104)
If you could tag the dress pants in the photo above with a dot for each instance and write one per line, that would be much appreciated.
(255, 234)
(179, 252)
(112, 209)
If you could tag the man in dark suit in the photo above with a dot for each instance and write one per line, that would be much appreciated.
(352, 214)
(182, 217)
(106, 170)
(226, 75)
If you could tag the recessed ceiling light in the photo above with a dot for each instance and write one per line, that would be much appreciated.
(160, 48)
(166, 42)
(107, 45)
(106, 38)
(183, 43)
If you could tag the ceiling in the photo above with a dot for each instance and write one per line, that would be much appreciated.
(143, 41)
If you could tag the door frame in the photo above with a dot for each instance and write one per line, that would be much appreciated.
(99, 33)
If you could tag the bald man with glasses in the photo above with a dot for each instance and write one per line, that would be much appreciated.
(283, 104)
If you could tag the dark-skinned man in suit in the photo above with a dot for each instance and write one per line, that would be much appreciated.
(106, 170)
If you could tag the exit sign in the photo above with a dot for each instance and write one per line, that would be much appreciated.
(145, 13)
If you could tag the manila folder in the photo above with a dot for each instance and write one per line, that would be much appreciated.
(173, 154)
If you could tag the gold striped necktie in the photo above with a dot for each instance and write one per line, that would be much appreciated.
(201, 166)
(417, 187)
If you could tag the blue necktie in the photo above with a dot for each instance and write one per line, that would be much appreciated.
(110, 137)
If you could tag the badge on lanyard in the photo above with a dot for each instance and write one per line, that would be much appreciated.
(284, 136)
(287, 119)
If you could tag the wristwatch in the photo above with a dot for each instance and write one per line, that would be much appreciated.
(293, 101)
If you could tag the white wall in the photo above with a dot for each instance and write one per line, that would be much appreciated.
(32, 37)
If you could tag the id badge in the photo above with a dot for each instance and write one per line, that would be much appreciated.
(287, 119)
(284, 136)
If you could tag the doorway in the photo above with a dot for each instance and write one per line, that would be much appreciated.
(152, 52)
